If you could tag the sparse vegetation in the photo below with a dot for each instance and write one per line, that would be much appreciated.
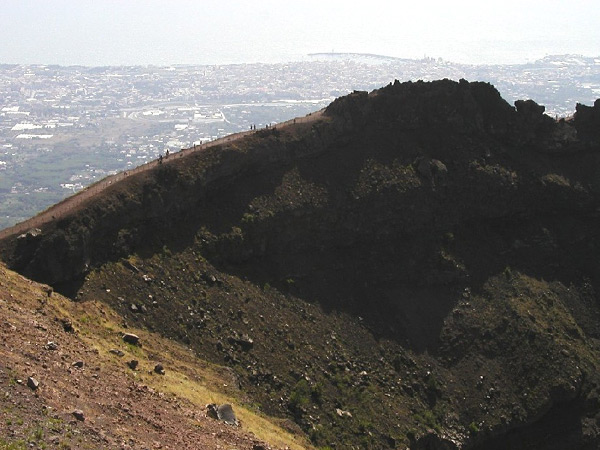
(473, 428)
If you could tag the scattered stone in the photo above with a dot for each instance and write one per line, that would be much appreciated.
(438, 168)
(67, 325)
(133, 364)
(78, 364)
(244, 341)
(133, 308)
(423, 167)
(117, 352)
(51, 346)
(146, 278)
(433, 170)
(78, 414)
(159, 369)
(32, 383)
(33, 233)
(211, 411)
(39, 326)
(258, 447)
(342, 413)
(131, 338)
(226, 414)
(209, 279)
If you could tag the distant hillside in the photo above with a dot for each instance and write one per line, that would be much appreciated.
(415, 266)
(368, 57)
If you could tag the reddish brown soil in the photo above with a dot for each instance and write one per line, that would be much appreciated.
(119, 411)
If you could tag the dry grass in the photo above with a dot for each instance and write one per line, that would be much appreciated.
(186, 377)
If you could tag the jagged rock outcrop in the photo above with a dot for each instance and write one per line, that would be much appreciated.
(587, 120)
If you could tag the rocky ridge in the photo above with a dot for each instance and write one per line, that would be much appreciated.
(415, 268)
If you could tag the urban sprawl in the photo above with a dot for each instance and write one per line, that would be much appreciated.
(63, 128)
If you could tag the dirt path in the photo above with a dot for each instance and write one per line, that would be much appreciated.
(70, 203)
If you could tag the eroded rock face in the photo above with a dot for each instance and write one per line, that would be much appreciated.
(170, 205)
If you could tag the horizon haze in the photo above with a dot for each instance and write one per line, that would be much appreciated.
(108, 33)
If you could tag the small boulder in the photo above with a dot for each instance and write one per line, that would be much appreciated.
(78, 364)
(432, 170)
(226, 414)
(159, 369)
(67, 325)
(211, 411)
(79, 415)
(51, 346)
(342, 413)
(32, 383)
(438, 168)
(116, 351)
(209, 278)
(131, 338)
(133, 364)
(243, 340)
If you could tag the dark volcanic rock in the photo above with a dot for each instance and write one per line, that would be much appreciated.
(32, 383)
(243, 340)
(67, 325)
(131, 338)
(78, 414)
(133, 364)
(587, 119)
(226, 414)
(211, 411)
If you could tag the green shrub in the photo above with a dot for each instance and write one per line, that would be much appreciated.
(473, 428)
(300, 395)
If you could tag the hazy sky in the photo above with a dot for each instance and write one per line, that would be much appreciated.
(115, 32)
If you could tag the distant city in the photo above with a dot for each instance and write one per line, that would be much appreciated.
(63, 128)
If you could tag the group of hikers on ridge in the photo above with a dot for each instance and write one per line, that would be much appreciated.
(160, 157)
(252, 128)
